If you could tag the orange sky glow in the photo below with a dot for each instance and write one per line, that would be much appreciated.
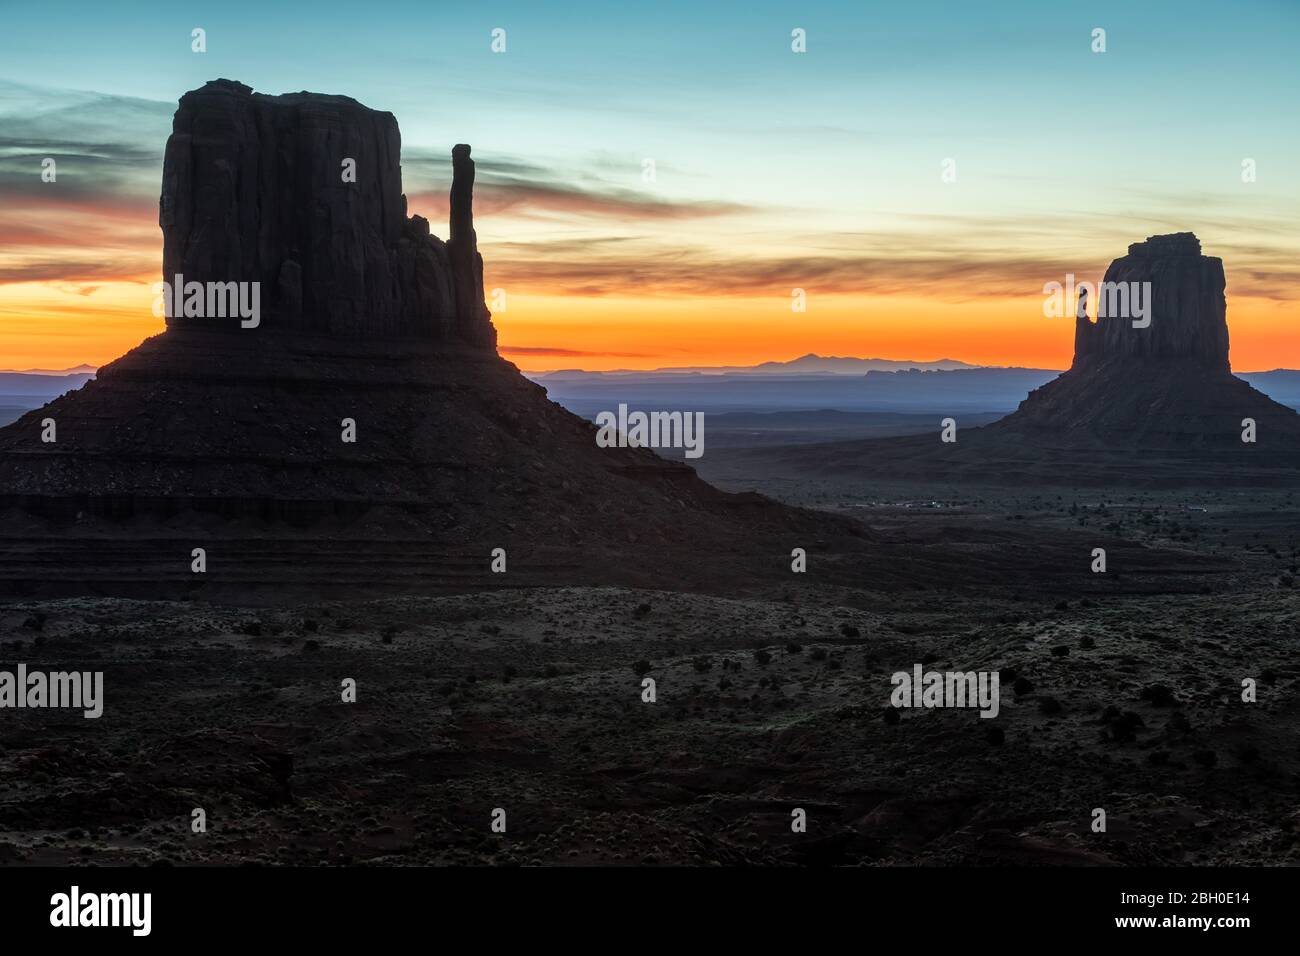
(641, 211)
(62, 324)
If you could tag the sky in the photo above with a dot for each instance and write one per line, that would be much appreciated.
(920, 172)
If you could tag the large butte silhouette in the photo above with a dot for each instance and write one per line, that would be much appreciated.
(228, 436)
(1144, 403)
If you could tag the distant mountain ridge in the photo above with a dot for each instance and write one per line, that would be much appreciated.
(813, 382)
(40, 386)
(82, 369)
(810, 364)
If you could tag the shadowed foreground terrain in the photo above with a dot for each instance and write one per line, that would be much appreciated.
(1119, 691)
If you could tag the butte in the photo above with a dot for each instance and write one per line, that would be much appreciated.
(1140, 407)
(229, 438)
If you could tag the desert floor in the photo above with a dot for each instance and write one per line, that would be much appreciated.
(530, 700)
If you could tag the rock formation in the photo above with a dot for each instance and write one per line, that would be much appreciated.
(364, 435)
(1160, 381)
(1186, 307)
(1149, 399)
(302, 194)
(466, 263)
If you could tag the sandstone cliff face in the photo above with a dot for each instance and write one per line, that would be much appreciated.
(254, 191)
(1184, 292)
(1167, 385)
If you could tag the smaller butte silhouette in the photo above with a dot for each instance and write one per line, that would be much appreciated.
(1144, 403)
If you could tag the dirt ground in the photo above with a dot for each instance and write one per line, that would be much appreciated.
(1120, 692)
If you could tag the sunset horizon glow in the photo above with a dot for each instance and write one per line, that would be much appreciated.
(764, 182)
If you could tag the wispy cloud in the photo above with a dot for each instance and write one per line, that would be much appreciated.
(109, 155)
(946, 257)
(517, 187)
(565, 353)
(107, 152)
(58, 269)
(641, 271)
